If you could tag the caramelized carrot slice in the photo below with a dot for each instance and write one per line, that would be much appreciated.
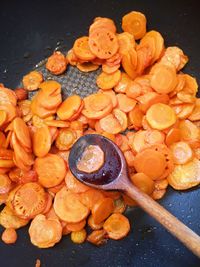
(81, 49)
(173, 136)
(78, 237)
(74, 185)
(32, 80)
(5, 184)
(9, 236)
(68, 207)
(29, 200)
(76, 226)
(108, 81)
(22, 132)
(56, 63)
(102, 209)
(90, 197)
(117, 226)
(125, 103)
(129, 156)
(126, 42)
(3, 117)
(134, 23)
(21, 177)
(129, 63)
(41, 141)
(182, 152)
(87, 66)
(65, 139)
(51, 170)
(100, 22)
(97, 237)
(45, 233)
(135, 117)
(143, 182)
(69, 107)
(123, 84)
(137, 142)
(160, 116)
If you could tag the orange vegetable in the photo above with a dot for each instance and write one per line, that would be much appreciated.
(126, 42)
(32, 80)
(97, 237)
(90, 197)
(182, 152)
(93, 225)
(87, 66)
(5, 184)
(81, 49)
(78, 237)
(74, 185)
(76, 226)
(102, 209)
(9, 236)
(56, 63)
(41, 141)
(125, 103)
(65, 139)
(173, 136)
(22, 132)
(143, 182)
(100, 22)
(3, 117)
(108, 81)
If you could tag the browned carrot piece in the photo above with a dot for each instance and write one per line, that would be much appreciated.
(9, 236)
(102, 209)
(56, 63)
(143, 182)
(97, 237)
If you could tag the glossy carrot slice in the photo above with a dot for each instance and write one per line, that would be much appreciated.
(102, 209)
(182, 152)
(126, 42)
(123, 84)
(87, 66)
(65, 139)
(32, 80)
(76, 226)
(56, 63)
(125, 103)
(90, 197)
(97, 237)
(78, 237)
(173, 136)
(143, 182)
(41, 141)
(108, 81)
(9, 236)
(100, 22)
(3, 117)
(81, 49)
(69, 107)
(22, 132)
(74, 185)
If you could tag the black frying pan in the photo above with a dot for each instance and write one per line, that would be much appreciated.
(29, 32)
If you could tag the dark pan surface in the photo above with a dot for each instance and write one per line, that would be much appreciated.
(29, 32)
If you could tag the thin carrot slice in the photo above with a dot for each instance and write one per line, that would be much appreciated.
(134, 23)
(97, 237)
(87, 66)
(123, 84)
(51, 170)
(90, 197)
(32, 80)
(108, 81)
(160, 116)
(65, 139)
(74, 185)
(93, 225)
(21, 177)
(76, 226)
(68, 207)
(41, 141)
(125, 103)
(56, 63)
(110, 69)
(2, 139)
(154, 137)
(158, 194)
(120, 205)
(129, 156)
(143, 182)
(81, 49)
(191, 85)
(3, 117)
(185, 176)
(133, 90)
(117, 226)
(5, 184)
(137, 142)
(6, 153)
(102, 209)
(4, 170)
(6, 163)
(150, 162)
(173, 136)
(29, 200)
(97, 106)
(161, 184)
(103, 43)
(121, 118)
(22, 132)
(185, 97)
(49, 203)
(189, 131)
(126, 42)
(9, 236)
(110, 124)
(195, 115)
(129, 63)
(112, 95)
(100, 22)
(45, 233)
(10, 109)
(135, 117)
(78, 237)
(69, 107)
(71, 58)
(182, 152)
(21, 94)
(7, 96)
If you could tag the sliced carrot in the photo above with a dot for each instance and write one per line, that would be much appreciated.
(65, 139)
(103, 43)
(191, 85)
(74, 185)
(32, 80)
(129, 63)
(93, 225)
(87, 66)
(9, 236)
(120, 205)
(135, 117)
(125, 103)
(109, 136)
(5, 184)
(71, 58)
(76, 226)
(158, 194)
(97, 106)
(121, 118)
(134, 23)
(6, 153)
(112, 95)
(45, 233)
(21, 94)
(110, 69)
(56, 63)
(183, 111)
(2, 139)
(90, 197)
(110, 124)
(4, 170)
(78, 237)
(185, 176)
(161, 184)
(100, 22)
(3, 117)
(49, 204)
(143, 182)
(29, 200)
(154, 137)
(173, 136)
(123, 84)
(10, 109)
(182, 152)
(126, 42)
(137, 142)
(189, 131)
(108, 81)
(117, 226)
(144, 58)
(68, 207)
(185, 97)
(195, 115)
(97, 237)
(21, 177)
(123, 142)
(150, 162)
(160, 116)
(102, 209)
(57, 123)
(81, 49)
(129, 156)
(41, 141)
(133, 90)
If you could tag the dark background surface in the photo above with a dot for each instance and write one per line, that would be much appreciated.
(29, 32)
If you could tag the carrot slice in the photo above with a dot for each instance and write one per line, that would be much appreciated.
(125, 103)
(5, 184)
(150, 162)
(21, 177)
(56, 63)
(134, 23)
(41, 141)
(110, 69)
(154, 137)
(135, 117)
(160, 116)
(100, 22)
(69, 107)
(143, 182)
(81, 49)
(68, 207)
(10, 109)
(185, 176)
(182, 152)
(129, 63)
(108, 81)
(126, 42)
(137, 142)
(123, 84)
(87, 66)
(3, 117)
(74, 185)
(76, 226)
(90, 197)
(65, 139)
(117, 226)
(112, 95)
(29, 200)
(78, 237)
(161, 184)
(93, 225)
(45, 233)
(103, 43)
(173, 136)
(158, 194)
(129, 156)
(189, 131)
(6, 153)
(102, 209)
(9, 236)
(97, 237)
(51, 170)
(110, 124)
(2, 139)
(32, 80)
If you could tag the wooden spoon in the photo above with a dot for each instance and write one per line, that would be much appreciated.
(113, 175)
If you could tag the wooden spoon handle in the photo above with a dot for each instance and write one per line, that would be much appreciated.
(189, 238)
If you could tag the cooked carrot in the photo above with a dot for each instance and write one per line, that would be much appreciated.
(135, 117)
(125, 103)
(54, 133)
(78, 237)
(150, 162)
(74, 227)
(56, 63)
(21, 94)
(173, 136)
(7, 163)
(51, 170)
(191, 85)
(158, 194)
(183, 111)
(161, 184)
(90, 197)
(74, 185)
(154, 137)
(121, 118)
(112, 194)
(112, 95)
(6, 153)
(143, 182)
(110, 69)
(108, 81)
(10, 109)
(92, 159)
(3, 117)
(81, 49)
(2, 139)
(5, 184)
(65, 139)
(182, 152)
(123, 142)
(123, 84)
(57, 123)
(117, 226)
(9, 236)
(189, 131)
(97, 237)
(185, 97)
(134, 23)
(53, 190)
(129, 63)
(133, 90)
(126, 42)
(21, 177)
(160, 116)
(87, 66)
(45, 233)
(97, 106)
(110, 124)
(22, 132)
(71, 58)
(137, 143)
(109, 136)
(68, 207)
(93, 225)
(129, 156)
(100, 22)
(4, 170)
(32, 80)
(103, 43)
(185, 176)
(120, 205)
(41, 141)
(102, 209)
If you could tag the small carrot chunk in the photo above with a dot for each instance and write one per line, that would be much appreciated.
(102, 209)
(9, 236)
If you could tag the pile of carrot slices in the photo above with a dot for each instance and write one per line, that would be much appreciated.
(142, 89)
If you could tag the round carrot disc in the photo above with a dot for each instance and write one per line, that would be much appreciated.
(81, 49)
